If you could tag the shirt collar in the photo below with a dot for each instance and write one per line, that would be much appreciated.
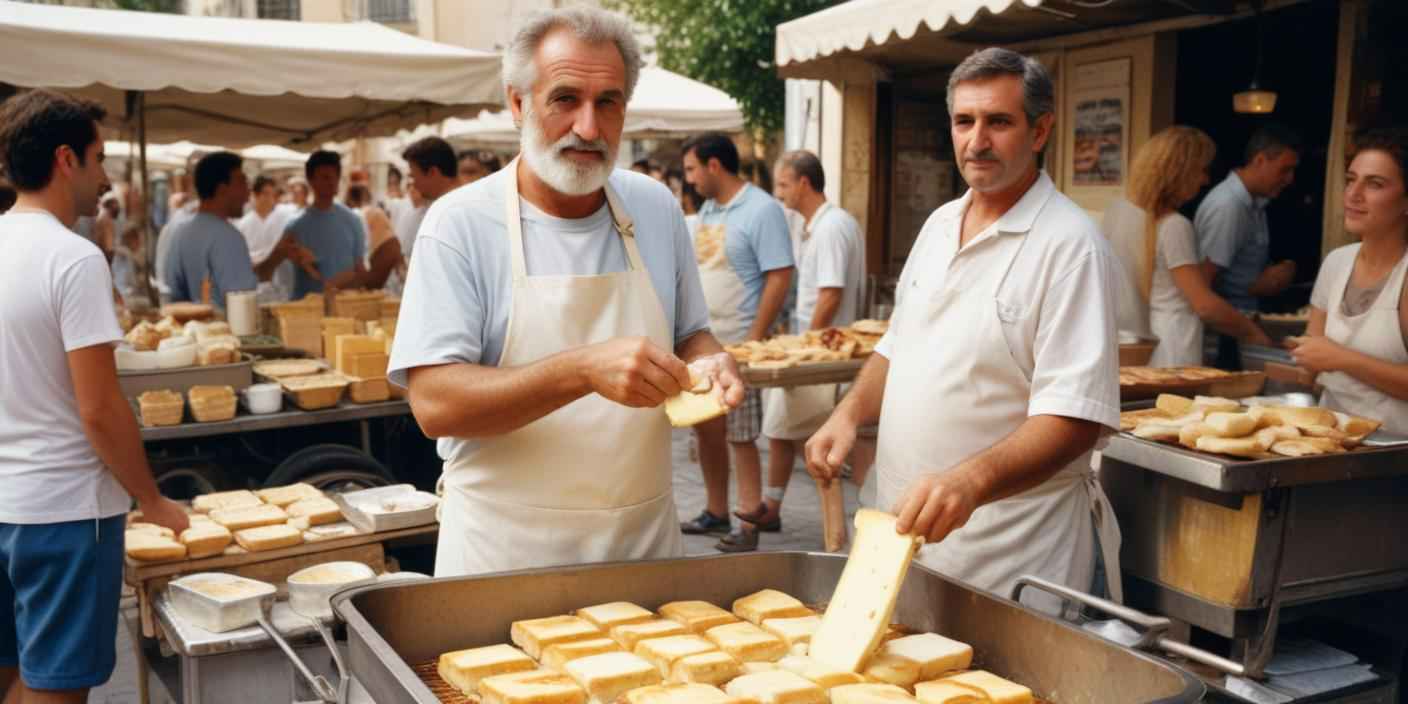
(1018, 220)
(1239, 188)
(816, 217)
(737, 198)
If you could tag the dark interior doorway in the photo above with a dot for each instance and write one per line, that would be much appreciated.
(1298, 63)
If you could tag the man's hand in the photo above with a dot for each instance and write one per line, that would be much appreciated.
(827, 450)
(723, 375)
(165, 512)
(302, 257)
(1277, 277)
(634, 372)
(1259, 337)
(1318, 354)
(936, 505)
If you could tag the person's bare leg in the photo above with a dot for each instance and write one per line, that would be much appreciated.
(748, 464)
(9, 680)
(713, 463)
(862, 459)
(49, 696)
(782, 455)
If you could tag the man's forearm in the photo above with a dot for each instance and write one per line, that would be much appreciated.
(700, 344)
(828, 301)
(473, 401)
(770, 303)
(862, 403)
(1033, 453)
(117, 440)
(264, 270)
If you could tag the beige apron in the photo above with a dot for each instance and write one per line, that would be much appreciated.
(589, 482)
(723, 290)
(955, 389)
(1375, 332)
(798, 412)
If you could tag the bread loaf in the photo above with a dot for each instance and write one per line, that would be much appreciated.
(206, 539)
(206, 503)
(318, 511)
(268, 538)
(282, 496)
(149, 546)
(1230, 425)
(249, 516)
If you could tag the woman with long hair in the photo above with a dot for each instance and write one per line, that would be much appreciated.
(1168, 294)
(1359, 309)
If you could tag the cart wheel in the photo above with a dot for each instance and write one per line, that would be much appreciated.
(188, 482)
(331, 468)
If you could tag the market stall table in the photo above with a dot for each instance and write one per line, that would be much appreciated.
(293, 418)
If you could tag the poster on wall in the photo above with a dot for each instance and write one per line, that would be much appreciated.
(1098, 152)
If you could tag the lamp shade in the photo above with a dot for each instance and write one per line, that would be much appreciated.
(1255, 101)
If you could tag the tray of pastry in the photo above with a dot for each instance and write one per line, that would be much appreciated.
(1138, 383)
(829, 355)
(719, 629)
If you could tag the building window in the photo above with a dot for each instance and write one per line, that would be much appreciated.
(279, 10)
(390, 11)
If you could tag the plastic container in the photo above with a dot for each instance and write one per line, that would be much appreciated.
(262, 399)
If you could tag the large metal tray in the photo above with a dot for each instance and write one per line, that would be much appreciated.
(181, 379)
(391, 626)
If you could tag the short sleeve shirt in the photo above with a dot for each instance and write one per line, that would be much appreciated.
(756, 240)
(833, 256)
(1233, 234)
(208, 246)
(338, 239)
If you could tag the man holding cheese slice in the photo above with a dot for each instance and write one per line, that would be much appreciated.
(551, 308)
(999, 372)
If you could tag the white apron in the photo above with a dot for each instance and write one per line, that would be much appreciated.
(723, 290)
(1375, 332)
(1180, 335)
(589, 482)
(796, 413)
(955, 389)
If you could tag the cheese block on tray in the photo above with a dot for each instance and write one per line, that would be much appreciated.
(535, 635)
(892, 669)
(996, 689)
(663, 652)
(747, 642)
(205, 503)
(715, 667)
(616, 613)
(776, 687)
(556, 657)
(749, 668)
(282, 496)
(148, 546)
(268, 538)
(318, 511)
(141, 527)
(628, 635)
(871, 693)
(532, 687)
(249, 517)
(206, 539)
(678, 694)
(947, 693)
(793, 631)
(825, 676)
(769, 603)
(859, 614)
(610, 675)
(934, 653)
(464, 669)
(696, 616)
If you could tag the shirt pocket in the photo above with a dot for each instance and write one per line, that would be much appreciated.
(1013, 321)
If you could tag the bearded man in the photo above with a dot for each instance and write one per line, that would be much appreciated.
(551, 308)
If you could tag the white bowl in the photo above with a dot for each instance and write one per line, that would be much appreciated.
(174, 357)
(130, 360)
(263, 398)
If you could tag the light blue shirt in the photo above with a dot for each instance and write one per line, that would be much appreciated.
(208, 246)
(756, 240)
(1232, 232)
(337, 238)
(459, 289)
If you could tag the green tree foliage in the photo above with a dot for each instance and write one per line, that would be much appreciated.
(728, 44)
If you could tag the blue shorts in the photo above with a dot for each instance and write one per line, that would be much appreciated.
(60, 584)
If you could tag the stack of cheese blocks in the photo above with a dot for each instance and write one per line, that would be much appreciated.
(268, 519)
(1223, 426)
(693, 652)
(360, 356)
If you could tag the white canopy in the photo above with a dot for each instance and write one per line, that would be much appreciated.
(665, 104)
(177, 155)
(241, 81)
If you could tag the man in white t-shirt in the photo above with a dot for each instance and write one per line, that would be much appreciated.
(70, 450)
(431, 162)
(550, 310)
(830, 276)
(263, 228)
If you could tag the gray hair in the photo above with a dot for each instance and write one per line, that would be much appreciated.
(590, 24)
(803, 163)
(1038, 94)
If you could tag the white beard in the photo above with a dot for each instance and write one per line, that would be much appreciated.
(561, 173)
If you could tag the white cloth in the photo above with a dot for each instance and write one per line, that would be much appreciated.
(1377, 332)
(526, 498)
(55, 297)
(1020, 322)
(1167, 315)
(263, 234)
(406, 220)
(459, 287)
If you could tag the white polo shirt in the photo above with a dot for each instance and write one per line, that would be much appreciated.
(832, 256)
(1059, 295)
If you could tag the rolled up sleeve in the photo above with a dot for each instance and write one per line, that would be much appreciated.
(1076, 370)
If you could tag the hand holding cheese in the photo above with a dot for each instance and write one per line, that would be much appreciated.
(633, 371)
(699, 402)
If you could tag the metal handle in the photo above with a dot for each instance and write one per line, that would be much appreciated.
(320, 684)
(1152, 629)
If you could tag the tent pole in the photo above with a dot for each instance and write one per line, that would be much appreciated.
(138, 100)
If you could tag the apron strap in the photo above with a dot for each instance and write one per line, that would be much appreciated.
(513, 221)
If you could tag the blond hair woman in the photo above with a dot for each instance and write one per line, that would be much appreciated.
(1168, 292)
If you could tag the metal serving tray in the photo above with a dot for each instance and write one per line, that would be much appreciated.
(392, 626)
(379, 521)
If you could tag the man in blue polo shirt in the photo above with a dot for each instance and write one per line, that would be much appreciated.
(744, 251)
